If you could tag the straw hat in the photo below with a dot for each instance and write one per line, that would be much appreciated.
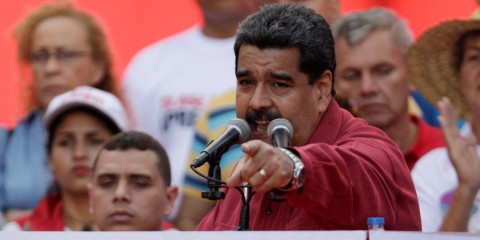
(431, 63)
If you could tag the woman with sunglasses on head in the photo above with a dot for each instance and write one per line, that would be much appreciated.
(59, 48)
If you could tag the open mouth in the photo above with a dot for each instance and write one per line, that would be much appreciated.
(259, 120)
(259, 130)
(261, 126)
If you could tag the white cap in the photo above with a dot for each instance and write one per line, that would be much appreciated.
(86, 96)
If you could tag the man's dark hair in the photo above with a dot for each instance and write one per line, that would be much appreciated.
(143, 142)
(291, 26)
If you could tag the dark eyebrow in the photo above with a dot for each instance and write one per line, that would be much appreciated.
(138, 175)
(243, 73)
(95, 133)
(103, 175)
(282, 76)
(382, 64)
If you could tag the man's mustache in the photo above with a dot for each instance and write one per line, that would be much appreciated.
(261, 115)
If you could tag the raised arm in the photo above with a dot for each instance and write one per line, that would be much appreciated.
(463, 154)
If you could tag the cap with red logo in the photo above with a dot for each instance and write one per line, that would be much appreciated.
(85, 96)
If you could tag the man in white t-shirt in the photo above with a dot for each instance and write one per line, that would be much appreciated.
(168, 83)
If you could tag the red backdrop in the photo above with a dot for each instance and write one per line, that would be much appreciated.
(131, 25)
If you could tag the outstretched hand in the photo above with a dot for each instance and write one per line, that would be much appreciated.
(462, 150)
(263, 166)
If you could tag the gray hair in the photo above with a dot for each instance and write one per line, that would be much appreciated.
(357, 26)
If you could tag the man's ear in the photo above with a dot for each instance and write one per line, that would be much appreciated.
(324, 90)
(171, 196)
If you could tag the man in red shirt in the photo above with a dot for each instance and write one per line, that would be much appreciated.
(339, 170)
(371, 48)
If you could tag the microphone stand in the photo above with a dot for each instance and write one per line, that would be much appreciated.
(247, 194)
(214, 182)
(215, 173)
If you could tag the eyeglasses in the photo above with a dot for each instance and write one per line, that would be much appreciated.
(40, 58)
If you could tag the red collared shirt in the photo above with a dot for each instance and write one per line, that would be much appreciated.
(428, 138)
(352, 171)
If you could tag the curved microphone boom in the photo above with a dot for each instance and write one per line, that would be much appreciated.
(280, 131)
(236, 131)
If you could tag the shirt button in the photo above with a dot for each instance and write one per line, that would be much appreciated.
(268, 211)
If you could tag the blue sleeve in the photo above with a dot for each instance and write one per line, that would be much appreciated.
(3, 145)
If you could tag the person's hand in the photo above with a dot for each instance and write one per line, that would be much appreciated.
(461, 150)
(263, 166)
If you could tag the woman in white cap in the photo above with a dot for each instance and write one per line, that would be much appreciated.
(78, 122)
(444, 64)
(59, 48)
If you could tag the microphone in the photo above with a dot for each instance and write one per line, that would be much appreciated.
(236, 131)
(280, 131)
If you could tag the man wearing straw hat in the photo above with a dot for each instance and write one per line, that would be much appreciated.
(371, 48)
(444, 64)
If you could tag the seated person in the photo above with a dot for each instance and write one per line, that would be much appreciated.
(130, 188)
(78, 123)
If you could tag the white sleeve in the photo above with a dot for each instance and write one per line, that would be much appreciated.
(429, 187)
(3, 221)
(12, 227)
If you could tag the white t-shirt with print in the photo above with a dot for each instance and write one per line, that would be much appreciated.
(168, 83)
(435, 181)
